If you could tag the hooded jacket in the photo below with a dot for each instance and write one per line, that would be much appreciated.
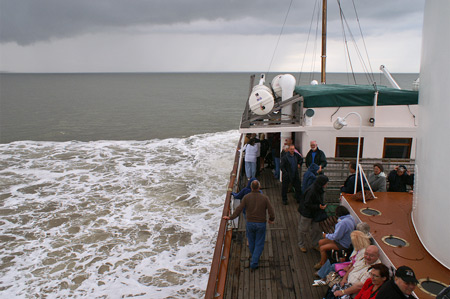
(310, 176)
(310, 203)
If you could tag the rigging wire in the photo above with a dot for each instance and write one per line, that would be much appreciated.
(313, 60)
(307, 42)
(279, 36)
(369, 75)
(344, 36)
(363, 40)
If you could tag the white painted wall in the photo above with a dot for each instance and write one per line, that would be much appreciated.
(431, 204)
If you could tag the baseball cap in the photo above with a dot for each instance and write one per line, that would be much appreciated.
(407, 274)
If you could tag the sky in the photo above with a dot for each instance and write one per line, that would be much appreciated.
(207, 35)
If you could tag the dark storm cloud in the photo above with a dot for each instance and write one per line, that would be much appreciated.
(29, 21)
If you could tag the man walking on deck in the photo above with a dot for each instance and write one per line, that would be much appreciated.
(256, 204)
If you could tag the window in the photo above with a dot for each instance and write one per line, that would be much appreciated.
(397, 148)
(346, 147)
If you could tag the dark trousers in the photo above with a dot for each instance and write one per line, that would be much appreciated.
(285, 187)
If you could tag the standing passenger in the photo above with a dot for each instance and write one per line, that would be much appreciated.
(310, 176)
(256, 204)
(309, 207)
(290, 163)
(251, 155)
(315, 155)
(264, 148)
(276, 154)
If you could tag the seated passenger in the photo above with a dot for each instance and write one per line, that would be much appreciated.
(401, 286)
(379, 274)
(399, 178)
(360, 242)
(340, 239)
(354, 279)
(377, 179)
(349, 184)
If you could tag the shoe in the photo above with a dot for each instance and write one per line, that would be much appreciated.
(253, 269)
(319, 283)
(316, 248)
(318, 266)
(303, 249)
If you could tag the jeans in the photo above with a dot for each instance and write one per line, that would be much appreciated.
(326, 268)
(250, 169)
(277, 166)
(256, 235)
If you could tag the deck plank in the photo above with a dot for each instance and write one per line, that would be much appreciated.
(284, 271)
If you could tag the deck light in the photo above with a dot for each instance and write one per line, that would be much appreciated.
(339, 124)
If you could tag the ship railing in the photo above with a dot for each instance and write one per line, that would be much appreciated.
(219, 264)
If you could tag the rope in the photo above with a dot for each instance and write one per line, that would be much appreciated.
(369, 75)
(279, 36)
(307, 42)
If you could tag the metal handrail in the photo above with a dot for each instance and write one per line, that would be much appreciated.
(219, 264)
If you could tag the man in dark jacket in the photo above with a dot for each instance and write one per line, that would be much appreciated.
(290, 163)
(399, 178)
(349, 184)
(315, 155)
(401, 286)
(310, 205)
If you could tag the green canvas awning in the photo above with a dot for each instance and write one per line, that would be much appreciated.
(336, 95)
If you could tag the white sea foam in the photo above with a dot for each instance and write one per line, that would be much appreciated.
(111, 219)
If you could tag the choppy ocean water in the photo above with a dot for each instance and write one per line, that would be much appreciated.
(112, 185)
(111, 219)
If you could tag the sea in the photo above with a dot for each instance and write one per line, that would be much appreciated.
(112, 185)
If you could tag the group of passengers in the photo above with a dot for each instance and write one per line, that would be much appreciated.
(399, 178)
(357, 271)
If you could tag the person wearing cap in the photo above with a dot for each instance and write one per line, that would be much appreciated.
(401, 286)
(399, 178)
(310, 205)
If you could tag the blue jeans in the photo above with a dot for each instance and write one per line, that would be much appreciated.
(250, 169)
(256, 235)
(326, 268)
(277, 165)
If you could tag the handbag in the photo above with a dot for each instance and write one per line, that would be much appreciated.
(332, 279)
(321, 215)
(358, 196)
(339, 268)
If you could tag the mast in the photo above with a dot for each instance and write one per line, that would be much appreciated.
(324, 42)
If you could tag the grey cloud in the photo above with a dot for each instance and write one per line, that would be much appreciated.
(29, 21)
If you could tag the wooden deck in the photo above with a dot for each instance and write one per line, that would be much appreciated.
(284, 271)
